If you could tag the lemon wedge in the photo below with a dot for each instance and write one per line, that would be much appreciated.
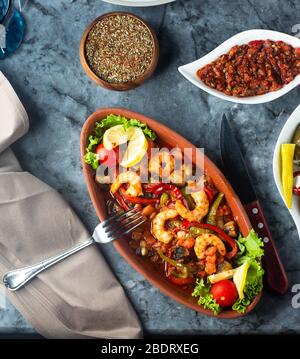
(116, 136)
(227, 274)
(136, 149)
(137, 143)
(239, 278)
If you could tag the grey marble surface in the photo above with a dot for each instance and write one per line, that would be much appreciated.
(58, 96)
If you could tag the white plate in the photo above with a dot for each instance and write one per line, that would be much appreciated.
(285, 136)
(189, 70)
(138, 3)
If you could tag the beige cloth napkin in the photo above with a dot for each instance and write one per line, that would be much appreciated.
(77, 298)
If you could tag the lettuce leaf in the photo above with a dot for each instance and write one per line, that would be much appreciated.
(209, 303)
(251, 247)
(252, 288)
(202, 291)
(93, 141)
(241, 305)
(101, 126)
(90, 157)
(251, 250)
(114, 120)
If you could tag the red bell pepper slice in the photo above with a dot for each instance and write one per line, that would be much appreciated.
(185, 223)
(139, 200)
(209, 193)
(159, 188)
(149, 187)
(120, 200)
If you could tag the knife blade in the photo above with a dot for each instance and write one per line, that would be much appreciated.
(238, 175)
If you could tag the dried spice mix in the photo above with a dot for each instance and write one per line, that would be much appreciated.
(119, 48)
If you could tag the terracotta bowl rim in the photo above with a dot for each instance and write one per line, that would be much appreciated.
(210, 166)
(124, 85)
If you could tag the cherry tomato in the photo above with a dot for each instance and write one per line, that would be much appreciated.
(224, 293)
(296, 188)
(108, 157)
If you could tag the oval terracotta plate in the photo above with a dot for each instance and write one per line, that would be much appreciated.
(139, 263)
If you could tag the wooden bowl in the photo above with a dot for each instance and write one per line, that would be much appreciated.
(145, 268)
(124, 85)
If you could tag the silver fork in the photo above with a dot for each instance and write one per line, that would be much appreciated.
(113, 228)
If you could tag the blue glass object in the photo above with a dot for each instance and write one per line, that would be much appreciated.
(4, 5)
(14, 24)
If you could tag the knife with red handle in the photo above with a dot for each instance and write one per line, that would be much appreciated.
(238, 175)
(275, 276)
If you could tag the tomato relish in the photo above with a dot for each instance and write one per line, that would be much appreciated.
(256, 68)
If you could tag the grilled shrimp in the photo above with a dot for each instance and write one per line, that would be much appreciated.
(200, 210)
(162, 164)
(158, 225)
(206, 240)
(134, 181)
(206, 247)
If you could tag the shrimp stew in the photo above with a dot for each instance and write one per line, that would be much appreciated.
(190, 234)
